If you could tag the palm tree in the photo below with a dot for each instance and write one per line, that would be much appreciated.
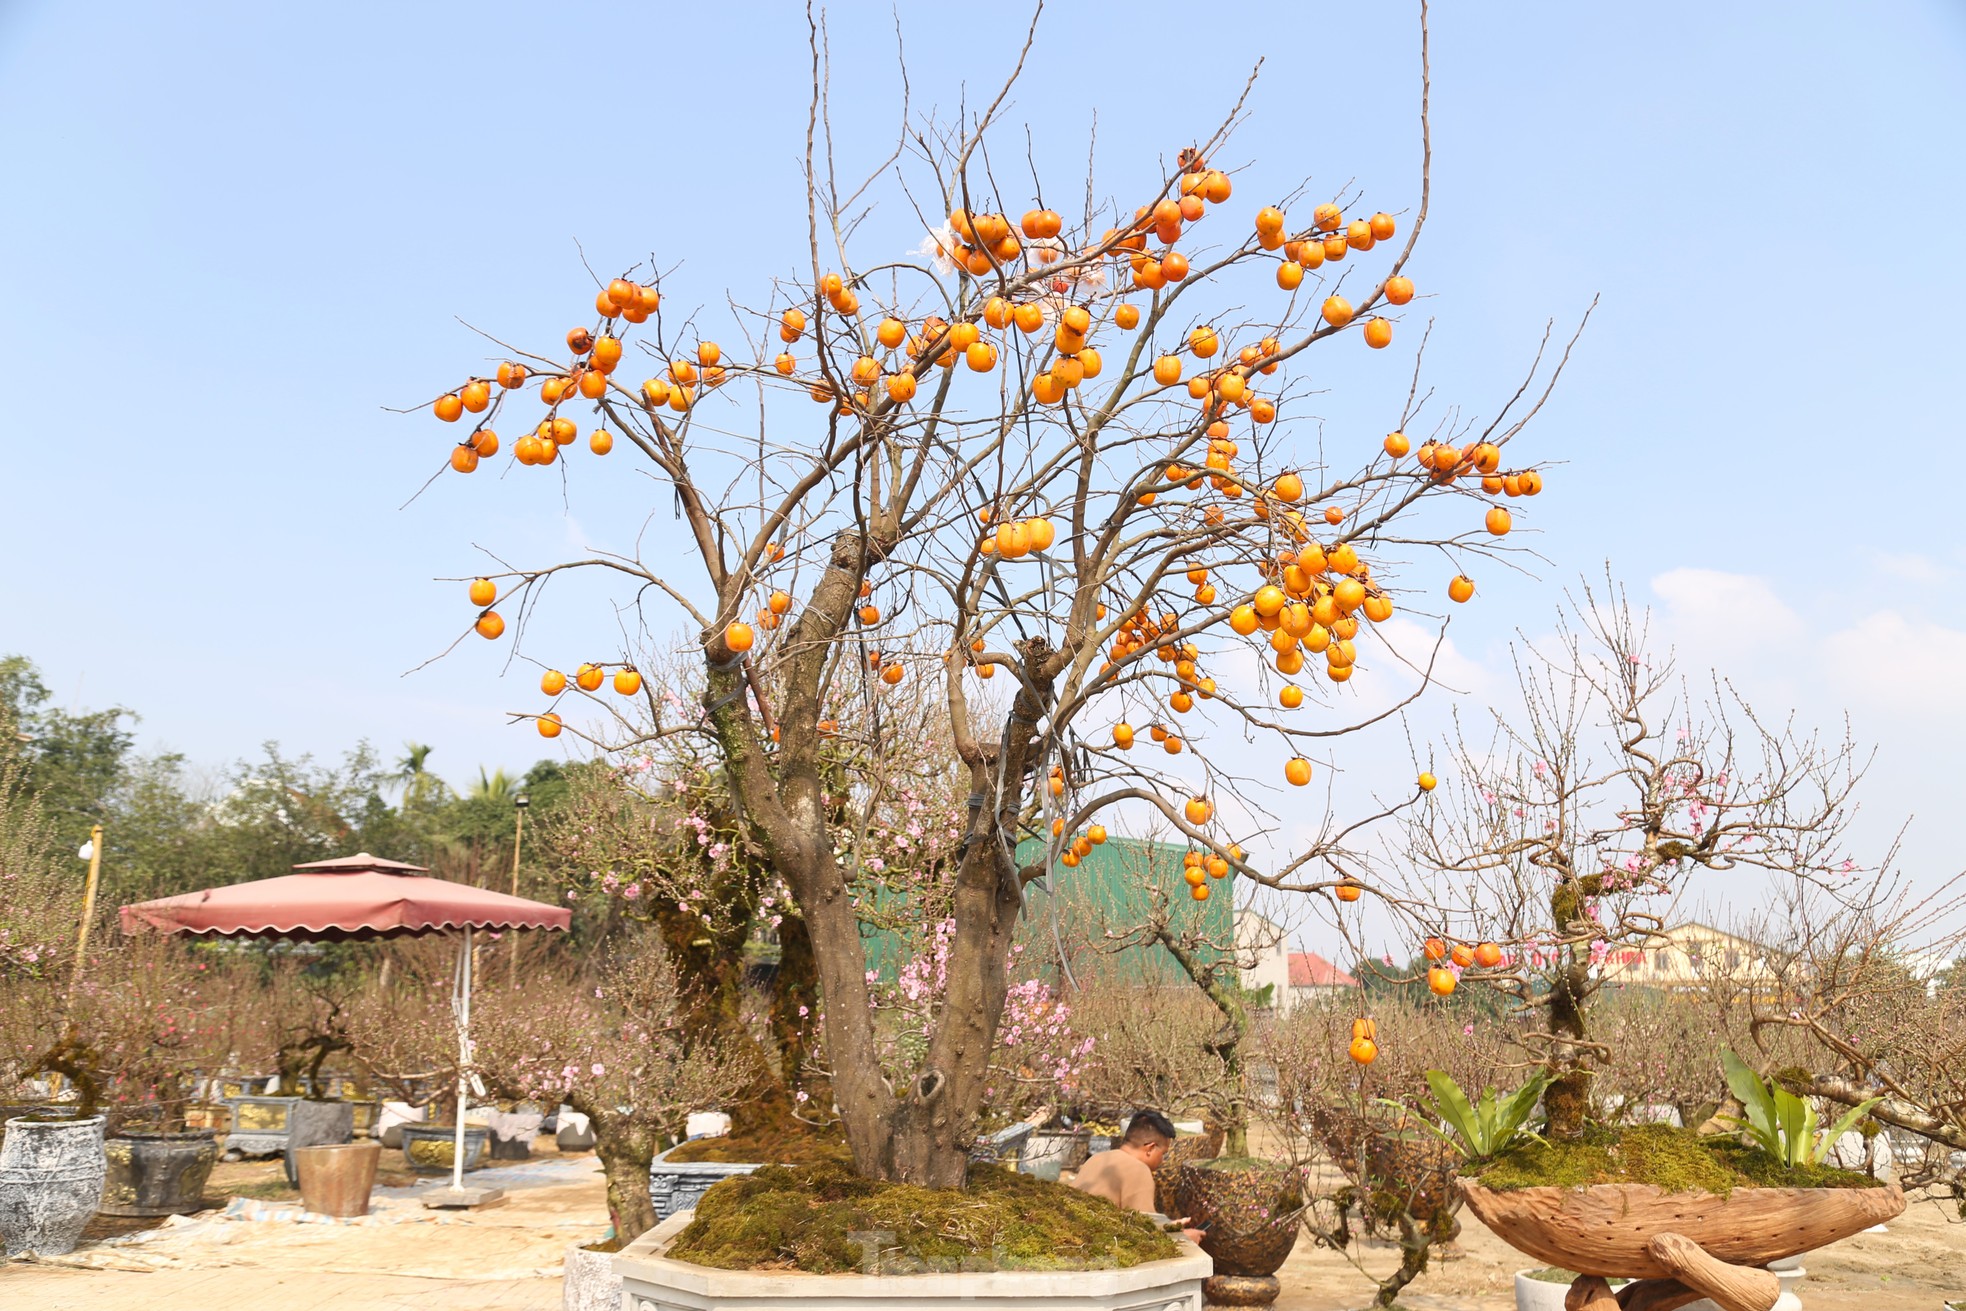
(423, 791)
(497, 787)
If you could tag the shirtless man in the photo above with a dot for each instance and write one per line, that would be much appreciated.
(1124, 1176)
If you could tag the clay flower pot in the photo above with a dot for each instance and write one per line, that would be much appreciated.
(337, 1178)
(50, 1183)
(151, 1174)
(1713, 1246)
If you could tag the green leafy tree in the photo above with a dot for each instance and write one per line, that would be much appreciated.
(73, 760)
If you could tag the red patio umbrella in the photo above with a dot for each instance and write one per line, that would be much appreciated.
(355, 897)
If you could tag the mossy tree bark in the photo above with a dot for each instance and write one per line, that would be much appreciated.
(1226, 993)
(1414, 1244)
(1567, 1100)
(626, 1150)
(710, 962)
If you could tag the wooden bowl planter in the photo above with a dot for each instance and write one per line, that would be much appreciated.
(1204, 1146)
(1681, 1246)
(153, 1174)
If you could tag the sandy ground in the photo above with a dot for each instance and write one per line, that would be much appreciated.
(508, 1259)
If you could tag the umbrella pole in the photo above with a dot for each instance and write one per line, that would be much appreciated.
(463, 1013)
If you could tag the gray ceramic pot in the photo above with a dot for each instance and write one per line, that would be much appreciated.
(50, 1183)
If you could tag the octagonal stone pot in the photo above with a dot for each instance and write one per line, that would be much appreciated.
(650, 1281)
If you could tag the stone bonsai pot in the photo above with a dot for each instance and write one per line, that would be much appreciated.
(50, 1183)
(1252, 1211)
(259, 1125)
(152, 1173)
(588, 1281)
(643, 1275)
(1049, 1152)
(312, 1123)
(677, 1186)
(428, 1147)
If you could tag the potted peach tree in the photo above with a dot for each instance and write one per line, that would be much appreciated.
(1567, 843)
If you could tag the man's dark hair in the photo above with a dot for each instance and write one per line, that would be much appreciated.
(1148, 1126)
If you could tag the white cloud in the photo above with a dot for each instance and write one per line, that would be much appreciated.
(1732, 612)
(1410, 647)
(1898, 663)
(1910, 566)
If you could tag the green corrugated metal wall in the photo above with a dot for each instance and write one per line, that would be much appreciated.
(1104, 898)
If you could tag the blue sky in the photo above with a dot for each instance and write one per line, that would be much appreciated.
(237, 233)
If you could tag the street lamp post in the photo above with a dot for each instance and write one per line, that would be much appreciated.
(519, 804)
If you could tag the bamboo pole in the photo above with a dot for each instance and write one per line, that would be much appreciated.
(88, 905)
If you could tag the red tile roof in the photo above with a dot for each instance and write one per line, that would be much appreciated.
(1310, 970)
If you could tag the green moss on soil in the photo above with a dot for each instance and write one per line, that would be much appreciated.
(1675, 1160)
(773, 1147)
(816, 1218)
(1550, 1274)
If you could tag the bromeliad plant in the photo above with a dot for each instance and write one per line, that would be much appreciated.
(1480, 1130)
(1781, 1123)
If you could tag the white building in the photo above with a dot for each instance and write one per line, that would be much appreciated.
(1293, 977)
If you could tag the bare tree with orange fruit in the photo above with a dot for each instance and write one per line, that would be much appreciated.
(1046, 451)
(1556, 858)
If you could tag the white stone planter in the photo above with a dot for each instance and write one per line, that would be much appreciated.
(1536, 1295)
(589, 1283)
(652, 1282)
